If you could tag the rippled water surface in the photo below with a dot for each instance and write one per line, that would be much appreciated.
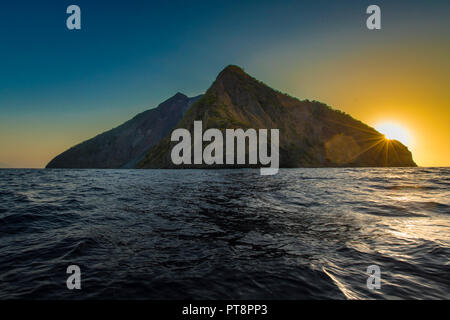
(225, 234)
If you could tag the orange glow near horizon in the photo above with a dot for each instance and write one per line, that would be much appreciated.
(376, 83)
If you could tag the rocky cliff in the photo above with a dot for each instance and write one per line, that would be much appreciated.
(312, 134)
(125, 146)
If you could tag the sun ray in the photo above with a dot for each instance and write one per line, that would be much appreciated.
(373, 145)
(394, 131)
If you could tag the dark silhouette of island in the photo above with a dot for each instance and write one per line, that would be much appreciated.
(312, 134)
(126, 145)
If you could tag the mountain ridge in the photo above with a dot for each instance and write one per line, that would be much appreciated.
(312, 134)
(125, 145)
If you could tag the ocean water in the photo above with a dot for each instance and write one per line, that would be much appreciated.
(225, 234)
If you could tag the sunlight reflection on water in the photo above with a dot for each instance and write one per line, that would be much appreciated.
(226, 234)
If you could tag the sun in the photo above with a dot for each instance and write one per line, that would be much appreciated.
(394, 131)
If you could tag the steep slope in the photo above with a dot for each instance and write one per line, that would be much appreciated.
(311, 133)
(124, 146)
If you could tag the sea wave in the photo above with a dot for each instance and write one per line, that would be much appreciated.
(225, 234)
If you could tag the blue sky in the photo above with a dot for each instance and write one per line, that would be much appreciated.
(132, 55)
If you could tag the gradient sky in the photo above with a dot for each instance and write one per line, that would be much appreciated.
(60, 87)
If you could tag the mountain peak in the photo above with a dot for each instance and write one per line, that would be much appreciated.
(179, 95)
(231, 78)
(231, 70)
(311, 134)
(175, 100)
